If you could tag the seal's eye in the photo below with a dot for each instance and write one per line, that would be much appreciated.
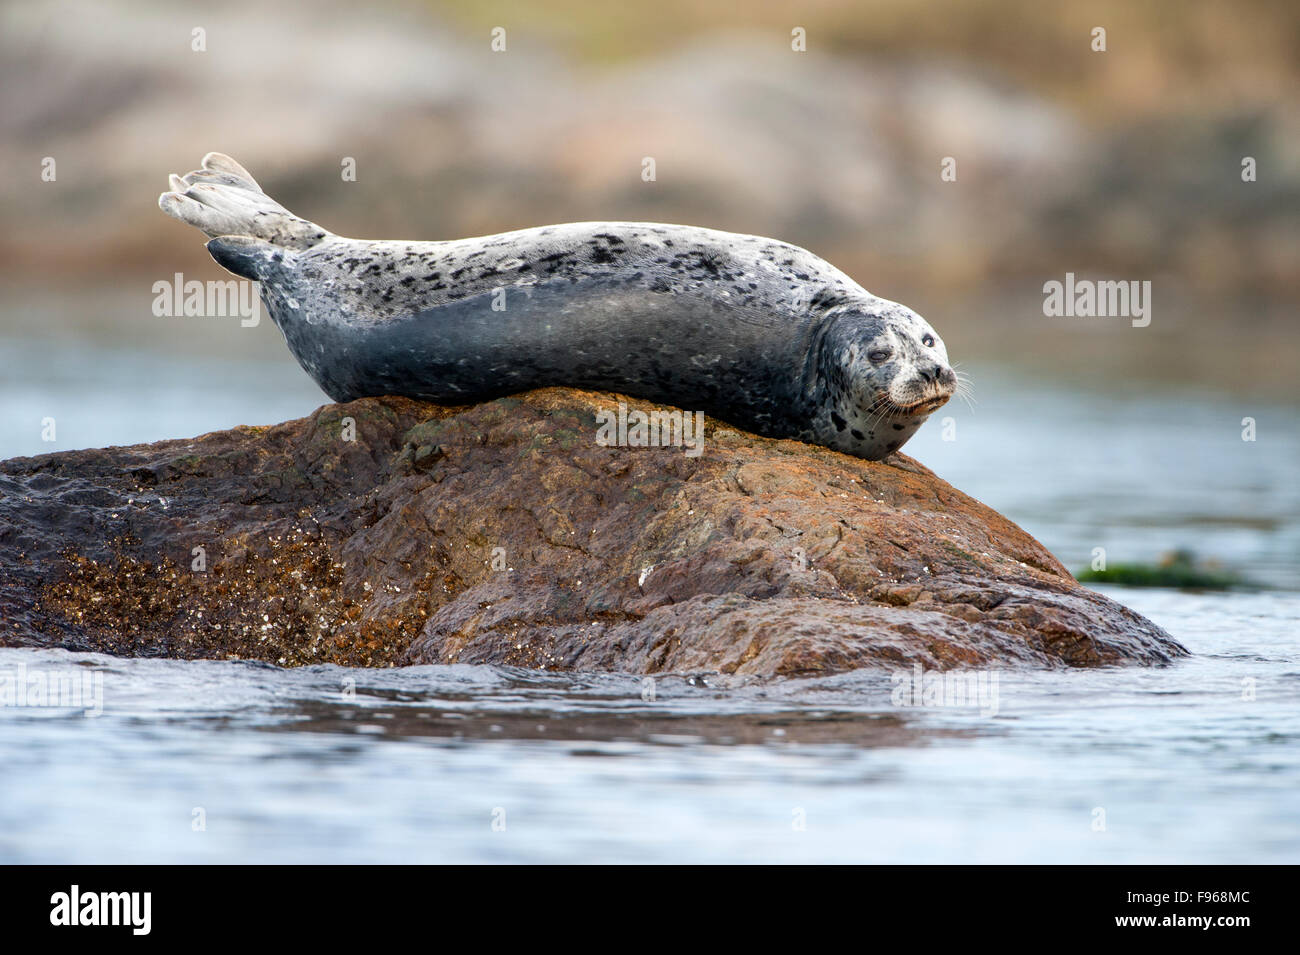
(879, 355)
(927, 341)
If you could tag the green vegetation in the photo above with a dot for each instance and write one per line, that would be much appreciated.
(1179, 569)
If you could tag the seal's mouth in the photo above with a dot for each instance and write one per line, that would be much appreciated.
(888, 408)
(925, 406)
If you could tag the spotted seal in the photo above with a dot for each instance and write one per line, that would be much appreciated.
(753, 331)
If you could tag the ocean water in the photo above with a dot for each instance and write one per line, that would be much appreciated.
(233, 762)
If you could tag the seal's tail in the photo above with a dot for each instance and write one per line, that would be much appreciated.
(223, 199)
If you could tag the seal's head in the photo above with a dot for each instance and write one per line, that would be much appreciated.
(884, 371)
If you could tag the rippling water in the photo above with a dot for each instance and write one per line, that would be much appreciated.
(1195, 762)
(416, 765)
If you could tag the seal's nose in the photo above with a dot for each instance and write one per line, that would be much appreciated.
(938, 373)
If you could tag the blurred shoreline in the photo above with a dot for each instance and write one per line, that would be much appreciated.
(1123, 165)
(838, 148)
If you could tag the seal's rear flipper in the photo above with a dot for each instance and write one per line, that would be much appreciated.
(247, 257)
(223, 199)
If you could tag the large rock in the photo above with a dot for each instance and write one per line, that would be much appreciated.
(504, 533)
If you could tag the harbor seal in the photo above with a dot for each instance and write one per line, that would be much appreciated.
(756, 332)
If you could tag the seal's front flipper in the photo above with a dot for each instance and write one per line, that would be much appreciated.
(223, 199)
(247, 257)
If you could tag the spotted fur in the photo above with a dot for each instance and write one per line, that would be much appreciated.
(754, 331)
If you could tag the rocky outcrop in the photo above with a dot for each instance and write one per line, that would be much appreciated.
(387, 532)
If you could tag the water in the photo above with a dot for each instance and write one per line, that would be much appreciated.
(101, 396)
(1136, 473)
(415, 766)
(1195, 762)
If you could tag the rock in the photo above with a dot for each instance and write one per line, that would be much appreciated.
(503, 533)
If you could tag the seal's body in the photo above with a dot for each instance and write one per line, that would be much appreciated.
(753, 331)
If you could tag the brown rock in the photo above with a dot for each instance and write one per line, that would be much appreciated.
(502, 533)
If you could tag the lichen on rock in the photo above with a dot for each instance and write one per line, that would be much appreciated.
(387, 531)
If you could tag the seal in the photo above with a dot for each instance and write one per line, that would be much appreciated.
(753, 331)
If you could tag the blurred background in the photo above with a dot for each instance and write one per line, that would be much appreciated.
(1124, 165)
